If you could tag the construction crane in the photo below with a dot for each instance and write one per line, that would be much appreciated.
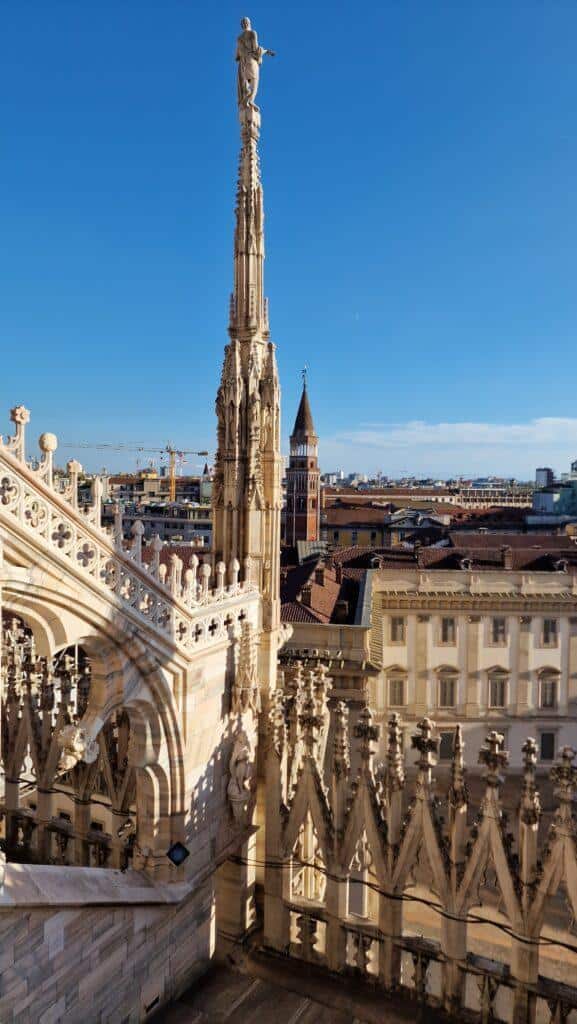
(168, 449)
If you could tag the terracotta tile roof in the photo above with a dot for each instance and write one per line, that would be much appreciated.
(294, 611)
(323, 596)
(357, 516)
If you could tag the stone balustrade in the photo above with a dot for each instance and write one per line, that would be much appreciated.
(171, 600)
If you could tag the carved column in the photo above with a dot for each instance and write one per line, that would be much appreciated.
(421, 664)
(565, 643)
(572, 667)
(522, 702)
(276, 914)
(474, 627)
(336, 890)
(390, 909)
(454, 930)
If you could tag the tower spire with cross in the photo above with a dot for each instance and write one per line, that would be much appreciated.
(303, 476)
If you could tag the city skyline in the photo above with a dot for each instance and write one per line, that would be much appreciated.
(456, 308)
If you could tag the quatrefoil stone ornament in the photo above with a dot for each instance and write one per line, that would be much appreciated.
(62, 535)
(35, 514)
(8, 491)
(86, 555)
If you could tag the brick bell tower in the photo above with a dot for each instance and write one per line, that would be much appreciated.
(303, 476)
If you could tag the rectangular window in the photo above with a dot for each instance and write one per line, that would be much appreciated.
(499, 631)
(448, 631)
(446, 744)
(497, 692)
(549, 632)
(397, 692)
(446, 692)
(547, 743)
(548, 693)
(397, 630)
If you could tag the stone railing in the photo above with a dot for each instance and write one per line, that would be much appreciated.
(171, 600)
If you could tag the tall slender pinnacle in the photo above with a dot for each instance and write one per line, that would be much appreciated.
(247, 482)
(248, 305)
(247, 308)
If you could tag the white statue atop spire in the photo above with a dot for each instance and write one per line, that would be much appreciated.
(249, 56)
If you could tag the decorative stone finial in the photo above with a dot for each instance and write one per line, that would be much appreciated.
(20, 415)
(48, 443)
(458, 789)
(368, 734)
(246, 696)
(277, 720)
(427, 746)
(530, 804)
(341, 754)
(564, 777)
(395, 760)
(495, 758)
(310, 721)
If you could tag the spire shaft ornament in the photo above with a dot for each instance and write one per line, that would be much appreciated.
(247, 492)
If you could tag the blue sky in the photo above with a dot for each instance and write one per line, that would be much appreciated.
(419, 164)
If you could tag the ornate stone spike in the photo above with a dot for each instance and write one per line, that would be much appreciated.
(458, 794)
(233, 573)
(368, 734)
(277, 721)
(395, 759)
(309, 721)
(246, 696)
(321, 687)
(117, 530)
(295, 678)
(427, 746)
(16, 444)
(193, 565)
(74, 469)
(341, 752)
(156, 544)
(530, 804)
(137, 532)
(204, 580)
(220, 575)
(564, 778)
(175, 575)
(495, 758)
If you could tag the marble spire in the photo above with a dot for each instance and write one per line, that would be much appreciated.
(247, 484)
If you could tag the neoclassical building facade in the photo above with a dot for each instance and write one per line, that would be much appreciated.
(480, 648)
